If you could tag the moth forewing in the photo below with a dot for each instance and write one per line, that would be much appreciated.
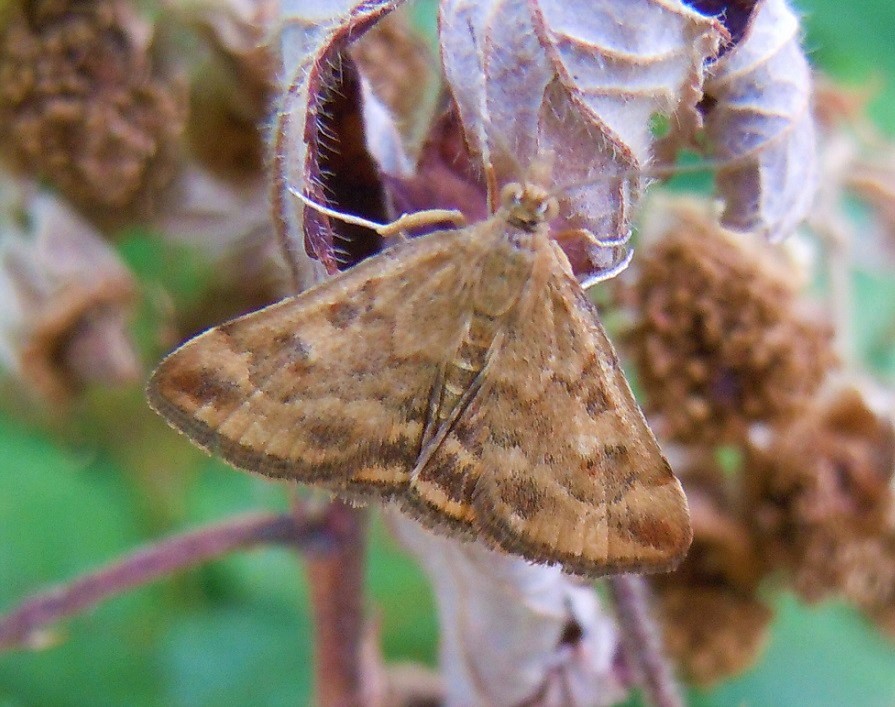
(463, 374)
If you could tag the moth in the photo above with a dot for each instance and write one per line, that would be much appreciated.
(463, 375)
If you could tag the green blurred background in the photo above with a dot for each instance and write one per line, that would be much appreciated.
(75, 495)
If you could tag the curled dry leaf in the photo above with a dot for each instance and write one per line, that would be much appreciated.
(513, 632)
(215, 215)
(581, 109)
(65, 300)
(759, 118)
(230, 223)
(402, 73)
(313, 36)
(577, 83)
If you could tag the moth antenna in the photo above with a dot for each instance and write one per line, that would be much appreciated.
(428, 217)
(338, 215)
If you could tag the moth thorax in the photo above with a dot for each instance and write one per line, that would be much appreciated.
(527, 205)
(502, 276)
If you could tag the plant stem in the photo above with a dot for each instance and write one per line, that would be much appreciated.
(642, 641)
(336, 581)
(21, 626)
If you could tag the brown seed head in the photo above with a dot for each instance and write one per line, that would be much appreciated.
(713, 621)
(821, 502)
(81, 103)
(722, 340)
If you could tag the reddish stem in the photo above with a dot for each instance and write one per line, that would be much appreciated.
(642, 642)
(336, 581)
(150, 563)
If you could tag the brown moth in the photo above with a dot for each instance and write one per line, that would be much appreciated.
(463, 374)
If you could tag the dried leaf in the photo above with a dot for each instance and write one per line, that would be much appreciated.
(216, 215)
(231, 100)
(313, 36)
(760, 120)
(229, 223)
(64, 299)
(513, 632)
(404, 75)
(576, 82)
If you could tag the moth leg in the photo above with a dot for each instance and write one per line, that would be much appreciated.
(590, 237)
(437, 436)
(432, 439)
(620, 263)
(431, 425)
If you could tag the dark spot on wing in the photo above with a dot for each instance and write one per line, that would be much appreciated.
(292, 347)
(652, 530)
(204, 387)
(616, 453)
(328, 434)
(455, 479)
(388, 454)
(596, 401)
(506, 438)
(522, 495)
(341, 314)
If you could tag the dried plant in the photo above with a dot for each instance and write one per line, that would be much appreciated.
(85, 106)
(67, 298)
(723, 338)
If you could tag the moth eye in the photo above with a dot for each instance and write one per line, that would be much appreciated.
(511, 195)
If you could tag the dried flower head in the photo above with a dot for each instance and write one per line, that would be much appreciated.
(82, 104)
(836, 105)
(233, 88)
(714, 624)
(710, 633)
(722, 338)
(821, 502)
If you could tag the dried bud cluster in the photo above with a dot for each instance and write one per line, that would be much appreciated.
(232, 89)
(82, 105)
(723, 340)
(821, 502)
(714, 624)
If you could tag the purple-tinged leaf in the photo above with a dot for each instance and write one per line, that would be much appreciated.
(760, 121)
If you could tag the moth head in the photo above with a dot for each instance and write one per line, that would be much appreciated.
(527, 206)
